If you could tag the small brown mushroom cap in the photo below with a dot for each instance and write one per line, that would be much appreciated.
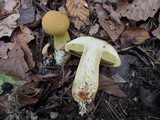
(55, 22)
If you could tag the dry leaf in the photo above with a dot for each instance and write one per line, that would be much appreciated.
(15, 64)
(28, 95)
(133, 36)
(113, 15)
(8, 7)
(22, 37)
(78, 9)
(110, 87)
(4, 48)
(157, 31)
(8, 24)
(3, 104)
(138, 10)
(94, 29)
(110, 26)
(27, 13)
(118, 79)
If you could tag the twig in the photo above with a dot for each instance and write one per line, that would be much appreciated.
(47, 108)
(116, 113)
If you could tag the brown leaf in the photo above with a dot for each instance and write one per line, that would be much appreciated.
(28, 94)
(4, 48)
(22, 37)
(133, 36)
(138, 10)
(110, 26)
(113, 15)
(157, 31)
(15, 64)
(94, 29)
(8, 7)
(118, 79)
(3, 103)
(78, 9)
(109, 86)
(8, 24)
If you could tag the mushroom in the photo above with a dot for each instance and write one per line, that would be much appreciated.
(56, 23)
(86, 81)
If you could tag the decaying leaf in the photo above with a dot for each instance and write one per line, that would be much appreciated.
(109, 86)
(78, 9)
(94, 29)
(22, 37)
(113, 15)
(28, 95)
(8, 24)
(118, 79)
(157, 31)
(4, 48)
(138, 10)
(3, 104)
(15, 64)
(8, 7)
(110, 26)
(27, 12)
(133, 36)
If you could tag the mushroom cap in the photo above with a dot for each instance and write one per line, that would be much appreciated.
(55, 22)
(109, 55)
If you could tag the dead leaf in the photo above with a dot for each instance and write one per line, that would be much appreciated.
(78, 9)
(118, 79)
(138, 10)
(133, 36)
(27, 13)
(113, 15)
(4, 48)
(22, 37)
(15, 64)
(3, 104)
(8, 24)
(8, 7)
(110, 26)
(94, 29)
(28, 94)
(110, 87)
(157, 31)
(12, 5)
(124, 69)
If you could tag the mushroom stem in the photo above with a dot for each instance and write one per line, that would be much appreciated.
(61, 56)
(86, 81)
(61, 40)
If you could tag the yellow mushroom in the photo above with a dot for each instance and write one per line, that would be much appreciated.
(92, 52)
(56, 23)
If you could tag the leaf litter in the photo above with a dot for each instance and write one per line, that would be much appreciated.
(47, 94)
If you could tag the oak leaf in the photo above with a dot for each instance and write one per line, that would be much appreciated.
(78, 9)
(138, 10)
(113, 28)
(110, 87)
(8, 24)
(15, 64)
(157, 31)
(133, 36)
(22, 37)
